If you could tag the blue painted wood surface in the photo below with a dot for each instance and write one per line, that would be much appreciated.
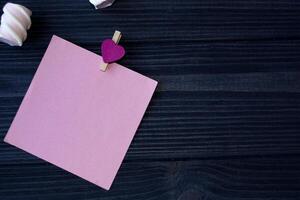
(224, 122)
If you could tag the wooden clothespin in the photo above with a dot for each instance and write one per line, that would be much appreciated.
(107, 47)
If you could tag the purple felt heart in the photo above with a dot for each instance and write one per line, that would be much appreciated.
(111, 52)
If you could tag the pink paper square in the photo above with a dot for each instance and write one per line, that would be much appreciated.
(78, 117)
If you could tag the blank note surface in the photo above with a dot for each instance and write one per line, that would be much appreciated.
(78, 117)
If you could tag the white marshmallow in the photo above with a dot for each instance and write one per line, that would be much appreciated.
(15, 22)
(101, 3)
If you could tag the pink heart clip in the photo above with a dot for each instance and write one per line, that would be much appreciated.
(111, 52)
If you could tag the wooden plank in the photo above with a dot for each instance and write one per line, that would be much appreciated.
(189, 20)
(255, 178)
(265, 67)
(203, 124)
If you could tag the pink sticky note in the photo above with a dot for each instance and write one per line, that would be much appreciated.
(79, 118)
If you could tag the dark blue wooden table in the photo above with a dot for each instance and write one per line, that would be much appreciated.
(224, 122)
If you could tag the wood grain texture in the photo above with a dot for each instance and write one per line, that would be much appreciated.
(224, 122)
(252, 178)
